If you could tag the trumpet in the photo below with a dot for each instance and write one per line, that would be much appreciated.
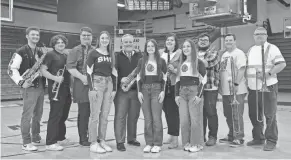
(263, 89)
(234, 104)
(56, 85)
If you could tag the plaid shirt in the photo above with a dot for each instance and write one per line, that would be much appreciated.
(212, 69)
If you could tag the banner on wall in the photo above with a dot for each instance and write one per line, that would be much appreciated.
(139, 43)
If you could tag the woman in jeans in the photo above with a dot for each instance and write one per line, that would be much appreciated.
(188, 94)
(102, 77)
(151, 81)
(171, 55)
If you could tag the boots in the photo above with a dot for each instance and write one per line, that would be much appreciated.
(174, 143)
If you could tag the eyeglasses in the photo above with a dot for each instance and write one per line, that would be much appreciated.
(260, 34)
(86, 35)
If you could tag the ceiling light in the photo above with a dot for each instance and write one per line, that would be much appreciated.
(120, 5)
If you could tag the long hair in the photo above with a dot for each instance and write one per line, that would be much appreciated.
(146, 58)
(109, 47)
(194, 59)
(176, 47)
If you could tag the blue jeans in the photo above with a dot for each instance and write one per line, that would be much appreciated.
(191, 116)
(270, 110)
(234, 116)
(127, 108)
(152, 110)
(100, 104)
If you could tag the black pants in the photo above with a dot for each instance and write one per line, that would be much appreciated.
(59, 111)
(270, 109)
(210, 113)
(83, 121)
(171, 112)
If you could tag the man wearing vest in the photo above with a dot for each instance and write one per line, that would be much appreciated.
(274, 63)
(33, 96)
(210, 117)
(127, 106)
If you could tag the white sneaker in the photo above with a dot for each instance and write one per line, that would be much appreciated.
(105, 146)
(156, 149)
(54, 147)
(65, 142)
(187, 147)
(147, 149)
(37, 143)
(194, 149)
(29, 147)
(95, 147)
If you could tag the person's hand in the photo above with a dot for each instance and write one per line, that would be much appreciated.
(58, 79)
(140, 97)
(93, 95)
(171, 68)
(84, 80)
(161, 97)
(196, 100)
(26, 85)
(124, 80)
(177, 100)
(112, 95)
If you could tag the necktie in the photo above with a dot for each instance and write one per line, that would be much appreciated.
(129, 56)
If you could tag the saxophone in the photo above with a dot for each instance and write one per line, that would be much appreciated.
(131, 79)
(31, 74)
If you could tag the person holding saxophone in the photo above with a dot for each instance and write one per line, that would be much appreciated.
(23, 65)
(233, 90)
(102, 80)
(53, 68)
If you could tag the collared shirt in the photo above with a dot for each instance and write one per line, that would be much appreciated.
(239, 61)
(212, 69)
(254, 58)
(77, 60)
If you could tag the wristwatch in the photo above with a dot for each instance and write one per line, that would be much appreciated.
(236, 84)
(270, 74)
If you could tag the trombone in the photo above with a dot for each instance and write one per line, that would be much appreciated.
(263, 89)
(234, 104)
(56, 85)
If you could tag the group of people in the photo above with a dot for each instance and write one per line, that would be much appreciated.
(184, 83)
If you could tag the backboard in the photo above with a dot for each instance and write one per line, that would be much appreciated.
(7, 10)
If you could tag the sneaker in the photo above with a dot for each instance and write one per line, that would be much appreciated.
(255, 143)
(237, 143)
(147, 149)
(37, 143)
(269, 146)
(211, 141)
(105, 146)
(54, 147)
(225, 140)
(65, 142)
(187, 147)
(194, 149)
(156, 149)
(29, 147)
(95, 147)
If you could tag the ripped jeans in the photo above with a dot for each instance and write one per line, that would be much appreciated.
(100, 104)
